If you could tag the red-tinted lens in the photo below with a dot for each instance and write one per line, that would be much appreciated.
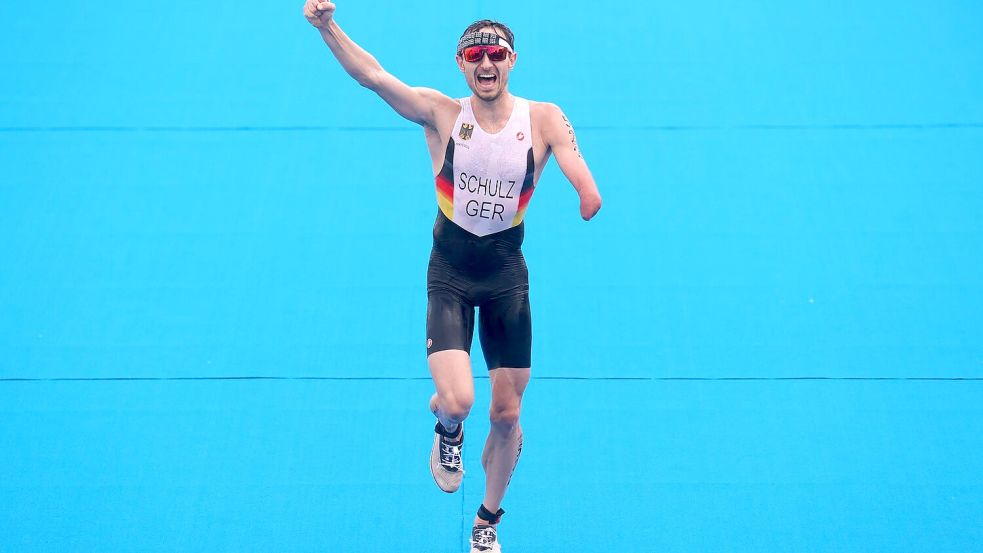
(473, 54)
(497, 53)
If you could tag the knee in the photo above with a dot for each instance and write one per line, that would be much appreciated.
(504, 417)
(457, 407)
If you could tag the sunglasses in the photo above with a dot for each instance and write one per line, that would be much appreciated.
(473, 54)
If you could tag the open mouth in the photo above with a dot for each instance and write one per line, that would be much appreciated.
(486, 79)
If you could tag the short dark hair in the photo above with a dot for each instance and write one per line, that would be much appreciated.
(498, 26)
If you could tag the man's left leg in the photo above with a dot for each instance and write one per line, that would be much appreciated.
(504, 443)
(505, 331)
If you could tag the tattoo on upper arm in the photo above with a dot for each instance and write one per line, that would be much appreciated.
(573, 137)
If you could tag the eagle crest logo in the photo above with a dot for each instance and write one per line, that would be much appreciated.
(466, 130)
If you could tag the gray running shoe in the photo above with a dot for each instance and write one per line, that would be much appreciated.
(445, 460)
(484, 539)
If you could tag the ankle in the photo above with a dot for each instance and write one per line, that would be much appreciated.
(454, 434)
(487, 518)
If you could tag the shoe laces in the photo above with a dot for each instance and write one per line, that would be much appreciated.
(450, 456)
(483, 538)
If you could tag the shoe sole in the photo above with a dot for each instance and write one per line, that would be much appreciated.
(452, 480)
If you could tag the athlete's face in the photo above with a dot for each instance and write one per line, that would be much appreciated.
(487, 79)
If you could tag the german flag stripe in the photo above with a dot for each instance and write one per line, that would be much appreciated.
(518, 216)
(524, 197)
(446, 206)
(530, 171)
(527, 189)
(445, 187)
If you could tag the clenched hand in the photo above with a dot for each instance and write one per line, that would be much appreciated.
(319, 13)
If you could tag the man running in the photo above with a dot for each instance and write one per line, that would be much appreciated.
(488, 151)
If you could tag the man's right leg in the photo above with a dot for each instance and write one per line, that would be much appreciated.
(450, 326)
(451, 371)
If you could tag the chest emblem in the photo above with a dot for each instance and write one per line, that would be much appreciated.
(466, 130)
(520, 136)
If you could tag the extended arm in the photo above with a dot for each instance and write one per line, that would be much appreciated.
(414, 103)
(560, 137)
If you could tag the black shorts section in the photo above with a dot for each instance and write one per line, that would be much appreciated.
(505, 332)
(450, 322)
(488, 273)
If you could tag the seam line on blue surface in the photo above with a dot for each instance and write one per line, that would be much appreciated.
(421, 378)
(391, 128)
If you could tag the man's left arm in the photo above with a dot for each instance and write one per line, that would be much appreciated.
(559, 136)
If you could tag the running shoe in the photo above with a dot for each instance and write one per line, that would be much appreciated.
(445, 460)
(484, 539)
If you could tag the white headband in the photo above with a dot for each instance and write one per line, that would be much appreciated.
(482, 39)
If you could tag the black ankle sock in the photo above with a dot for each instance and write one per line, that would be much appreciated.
(454, 439)
(489, 517)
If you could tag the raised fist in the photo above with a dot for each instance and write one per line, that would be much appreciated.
(318, 12)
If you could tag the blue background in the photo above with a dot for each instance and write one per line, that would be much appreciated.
(213, 248)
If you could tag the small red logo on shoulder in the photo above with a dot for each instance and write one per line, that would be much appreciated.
(520, 136)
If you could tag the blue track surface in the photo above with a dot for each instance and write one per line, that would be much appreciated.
(213, 248)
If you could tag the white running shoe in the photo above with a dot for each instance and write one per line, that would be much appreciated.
(445, 460)
(484, 539)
